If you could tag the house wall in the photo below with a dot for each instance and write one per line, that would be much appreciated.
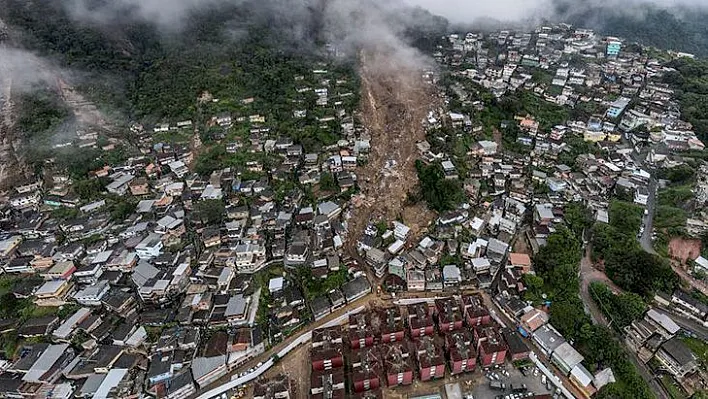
(429, 373)
(361, 343)
(328, 364)
(464, 365)
(518, 356)
(393, 337)
(451, 326)
(489, 359)
(405, 377)
(421, 332)
(367, 384)
(479, 320)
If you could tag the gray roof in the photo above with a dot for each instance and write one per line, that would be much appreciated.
(356, 287)
(568, 355)
(144, 272)
(45, 362)
(497, 246)
(664, 321)
(91, 384)
(545, 211)
(603, 378)
(548, 337)
(66, 328)
(451, 272)
(326, 208)
(319, 304)
(179, 381)
(678, 351)
(113, 378)
(202, 366)
(236, 306)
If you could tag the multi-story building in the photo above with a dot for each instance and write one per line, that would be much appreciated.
(420, 321)
(361, 332)
(431, 361)
(398, 363)
(327, 356)
(676, 358)
(365, 369)
(518, 350)
(391, 325)
(327, 384)
(460, 348)
(476, 313)
(449, 314)
(490, 345)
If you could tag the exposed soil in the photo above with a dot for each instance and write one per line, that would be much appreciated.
(497, 135)
(11, 164)
(88, 116)
(683, 249)
(295, 365)
(395, 102)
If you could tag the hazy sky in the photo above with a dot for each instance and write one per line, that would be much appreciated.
(466, 11)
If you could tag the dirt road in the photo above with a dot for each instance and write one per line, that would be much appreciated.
(588, 275)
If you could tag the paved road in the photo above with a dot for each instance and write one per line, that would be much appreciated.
(506, 320)
(686, 323)
(280, 346)
(645, 240)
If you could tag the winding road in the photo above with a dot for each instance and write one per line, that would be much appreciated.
(588, 275)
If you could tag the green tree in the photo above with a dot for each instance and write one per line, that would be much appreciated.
(534, 288)
(88, 189)
(210, 211)
(328, 182)
(439, 193)
(122, 209)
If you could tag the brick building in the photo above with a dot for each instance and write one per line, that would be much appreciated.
(491, 348)
(366, 369)
(327, 356)
(431, 361)
(449, 314)
(361, 332)
(476, 314)
(420, 321)
(398, 363)
(460, 348)
(391, 325)
(518, 350)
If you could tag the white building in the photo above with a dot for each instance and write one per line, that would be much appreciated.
(150, 246)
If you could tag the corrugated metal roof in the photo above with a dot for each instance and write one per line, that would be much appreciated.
(113, 378)
(45, 362)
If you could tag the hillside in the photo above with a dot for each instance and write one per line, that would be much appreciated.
(676, 28)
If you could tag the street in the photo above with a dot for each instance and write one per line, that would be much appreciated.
(687, 324)
(648, 220)
(646, 239)
(281, 345)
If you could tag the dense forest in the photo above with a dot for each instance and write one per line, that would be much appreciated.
(625, 262)
(146, 71)
(690, 80)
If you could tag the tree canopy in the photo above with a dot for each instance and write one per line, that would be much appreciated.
(439, 193)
